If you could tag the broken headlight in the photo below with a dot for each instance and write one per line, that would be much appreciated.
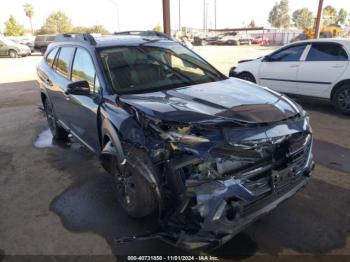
(181, 135)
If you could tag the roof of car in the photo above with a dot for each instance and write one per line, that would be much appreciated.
(107, 40)
(326, 40)
(124, 40)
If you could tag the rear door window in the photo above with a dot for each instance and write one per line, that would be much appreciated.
(327, 52)
(62, 63)
(292, 53)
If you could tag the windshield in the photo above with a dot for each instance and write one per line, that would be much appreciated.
(160, 65)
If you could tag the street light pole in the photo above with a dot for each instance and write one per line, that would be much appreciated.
(204, 16)
(318, 19)
(215, 14)
(115, 3)
(179, 15)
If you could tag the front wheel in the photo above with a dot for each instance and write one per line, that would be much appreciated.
(232, 42)
(58, 132)
(13, 54)
(42, 50)
(247, 76)
(341, 99)
(134, 192)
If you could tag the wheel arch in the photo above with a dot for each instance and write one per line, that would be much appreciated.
(247, 72)
(11, 49)
(110, 135)
(43, 97)
(338, 85)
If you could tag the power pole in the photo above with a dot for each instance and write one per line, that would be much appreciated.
(166, 17)
(318, 19)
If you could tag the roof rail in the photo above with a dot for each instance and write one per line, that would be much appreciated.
(73, 37)
(148, 33)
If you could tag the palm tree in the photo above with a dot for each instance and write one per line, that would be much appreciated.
(29, 11)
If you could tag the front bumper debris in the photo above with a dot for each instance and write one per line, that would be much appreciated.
(227, 206)
(211, 191)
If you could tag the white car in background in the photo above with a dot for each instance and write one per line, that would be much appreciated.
(317, 68)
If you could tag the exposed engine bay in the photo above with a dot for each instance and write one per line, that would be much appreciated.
(214, 178)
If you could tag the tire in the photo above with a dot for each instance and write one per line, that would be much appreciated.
(247, 76)
(341, 99)
(230, 42)
(42, 50)
(58, 132)
(134, 192)
(13, 54)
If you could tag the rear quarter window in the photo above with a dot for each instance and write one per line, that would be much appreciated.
(51, 56)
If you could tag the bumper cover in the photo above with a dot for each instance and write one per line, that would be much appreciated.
(217, 199)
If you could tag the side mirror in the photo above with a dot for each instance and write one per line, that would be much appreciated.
(267, 58)
(81, 88)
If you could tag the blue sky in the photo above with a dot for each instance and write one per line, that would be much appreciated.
(145, 14)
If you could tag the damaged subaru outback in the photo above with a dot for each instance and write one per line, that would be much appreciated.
(207, 153)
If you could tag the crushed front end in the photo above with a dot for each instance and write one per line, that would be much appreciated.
(219, 178)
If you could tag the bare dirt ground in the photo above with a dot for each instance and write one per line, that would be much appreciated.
(57, 200)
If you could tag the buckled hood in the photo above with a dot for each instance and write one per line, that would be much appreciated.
(226, 100)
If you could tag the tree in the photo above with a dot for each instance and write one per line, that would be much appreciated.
(157, 28)
(97, 29)
(57, 22)
(303, 18)
(278, 16)
(342, 15)
(329, 15)
(13, 28)
(252, 24)
(29, 11)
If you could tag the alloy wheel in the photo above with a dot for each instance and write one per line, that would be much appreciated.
(344, 100)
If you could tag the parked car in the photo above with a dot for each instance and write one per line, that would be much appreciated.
(245, 39)
(42, 41)
(317, 68)
(229, 38)
(11, 49)
(24, 41)
(261, 40)
(209, 153)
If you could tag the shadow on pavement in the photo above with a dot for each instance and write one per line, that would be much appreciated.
(311, 222)
(320, 105)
